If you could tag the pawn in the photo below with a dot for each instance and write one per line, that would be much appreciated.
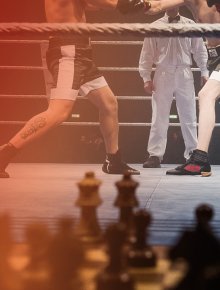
(36, 274)
(141, 254)
(200, 249)
(9, 279)
(126, 201)
(65, 257)
(88, 227)
(115, 275)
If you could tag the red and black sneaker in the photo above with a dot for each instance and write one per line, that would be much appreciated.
(7, 151)
(114, 165)
(197, 164)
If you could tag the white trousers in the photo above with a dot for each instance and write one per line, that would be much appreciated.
(172, 82)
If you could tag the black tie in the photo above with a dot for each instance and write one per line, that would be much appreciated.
(171, 19)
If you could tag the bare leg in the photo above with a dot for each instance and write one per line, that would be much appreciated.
(57, 112)
(106, 102)
(207, 98)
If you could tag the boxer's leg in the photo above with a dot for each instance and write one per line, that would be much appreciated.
(99, 93)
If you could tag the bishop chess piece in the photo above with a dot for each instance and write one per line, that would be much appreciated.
(88, 227)
(200, 249)
(126, 201)
(115, 276)
(141, 254)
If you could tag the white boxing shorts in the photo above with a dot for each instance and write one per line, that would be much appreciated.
(70, 62)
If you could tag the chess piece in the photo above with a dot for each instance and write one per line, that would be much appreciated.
(65, 257)
(141, 254)
(126, 201)
(200, 249)
(115, 276)
(88, 227)
(9, 279)
(36, 274)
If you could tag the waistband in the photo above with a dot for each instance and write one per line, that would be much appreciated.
(214, 52)
(55, 41)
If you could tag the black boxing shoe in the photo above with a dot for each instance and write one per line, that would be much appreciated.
(7, 151)
(152, 162)
(114, 165)
(197, 164)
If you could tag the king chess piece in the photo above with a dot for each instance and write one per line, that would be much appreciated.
(115, 276)
(141, 254)
(200, 249)
(126, 201)
(88, 227)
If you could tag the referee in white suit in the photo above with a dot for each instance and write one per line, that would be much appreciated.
(173, 78)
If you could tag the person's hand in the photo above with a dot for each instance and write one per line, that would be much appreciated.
(204, 80)
(149, 87)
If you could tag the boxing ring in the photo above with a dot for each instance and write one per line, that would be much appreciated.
(46, 191)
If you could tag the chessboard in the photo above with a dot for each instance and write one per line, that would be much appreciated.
(152, 278)
(80, 255)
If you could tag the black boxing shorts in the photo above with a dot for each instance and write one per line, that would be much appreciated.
(70, 62)
(214, 62)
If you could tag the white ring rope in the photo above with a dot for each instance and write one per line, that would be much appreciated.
(97, 29)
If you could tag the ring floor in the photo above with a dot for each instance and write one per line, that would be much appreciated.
(48, 191)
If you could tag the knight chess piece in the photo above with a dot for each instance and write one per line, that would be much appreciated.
(115, 275)
(88, 227)
(126, 201)
(141, 254)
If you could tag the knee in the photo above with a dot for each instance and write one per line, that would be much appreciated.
(58, 115)
(206, 96)
(109, 106)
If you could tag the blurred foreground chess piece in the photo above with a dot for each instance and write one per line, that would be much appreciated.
(9, 279)
(115, 276)
(36, 274)
(126, 201)
(88, 227)
(200, 249)
(141, 254)
(66, 256)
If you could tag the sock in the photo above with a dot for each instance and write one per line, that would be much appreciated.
(113, 157)
(200, 156)
(6, 154)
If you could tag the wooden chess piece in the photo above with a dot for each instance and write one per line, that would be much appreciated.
(115, 276)
(36, 274)
(126, 201)
(66, 255)
(9, 278)
(88, 227)
(141, 254)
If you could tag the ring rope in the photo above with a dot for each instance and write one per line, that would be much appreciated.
(97, 29)
(40, 68)
(123, 98)
(96, 124)
(94, 42)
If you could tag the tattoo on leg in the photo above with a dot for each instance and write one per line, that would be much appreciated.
(37, 124)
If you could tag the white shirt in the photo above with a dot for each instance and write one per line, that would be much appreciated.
(172, 51)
